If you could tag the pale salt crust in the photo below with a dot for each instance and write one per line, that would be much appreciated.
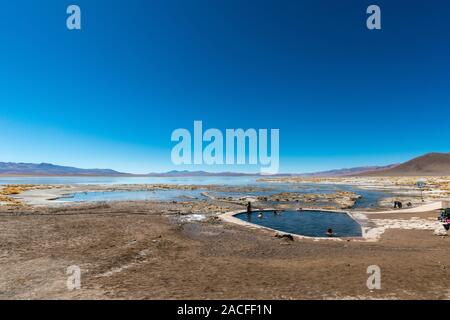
(193, 217)
(413, 224)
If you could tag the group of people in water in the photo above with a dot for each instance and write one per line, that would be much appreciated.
(444, 217)
(329, 232)
(261, 213)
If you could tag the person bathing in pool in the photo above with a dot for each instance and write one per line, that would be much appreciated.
(330, 232)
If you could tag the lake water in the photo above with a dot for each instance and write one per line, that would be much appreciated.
(243, 180)
(160, 195)
(369, 197)
(306, 223)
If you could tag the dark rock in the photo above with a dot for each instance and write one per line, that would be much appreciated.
(284, 236)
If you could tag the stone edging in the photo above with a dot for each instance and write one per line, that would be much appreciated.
(360, 218)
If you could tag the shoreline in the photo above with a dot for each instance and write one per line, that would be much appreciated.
(46, 196)
(398, 189)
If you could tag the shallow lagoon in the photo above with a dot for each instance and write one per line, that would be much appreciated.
(238, 180)
(156, 195)
(369, 197)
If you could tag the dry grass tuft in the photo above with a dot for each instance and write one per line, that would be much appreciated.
(10, 190)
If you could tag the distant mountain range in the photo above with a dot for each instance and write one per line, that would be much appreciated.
(431, 164)
(47, 169)
(186, 173)
(347, 171)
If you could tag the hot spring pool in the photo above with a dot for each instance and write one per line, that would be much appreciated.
(306, 223)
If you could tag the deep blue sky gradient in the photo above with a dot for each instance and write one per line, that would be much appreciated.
(111, 94)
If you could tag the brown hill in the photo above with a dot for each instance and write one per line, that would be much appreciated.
(346, 171)
(48, 169)
(431, 164)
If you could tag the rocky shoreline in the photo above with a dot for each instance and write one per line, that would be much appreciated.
(436, 188)
(340, 199)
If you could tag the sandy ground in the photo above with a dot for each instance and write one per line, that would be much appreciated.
(147, 250)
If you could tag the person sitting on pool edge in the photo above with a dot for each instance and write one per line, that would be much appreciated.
(398, 204)
(249, 207)
(330, 232)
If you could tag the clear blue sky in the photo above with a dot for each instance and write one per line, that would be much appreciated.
(111, 94)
